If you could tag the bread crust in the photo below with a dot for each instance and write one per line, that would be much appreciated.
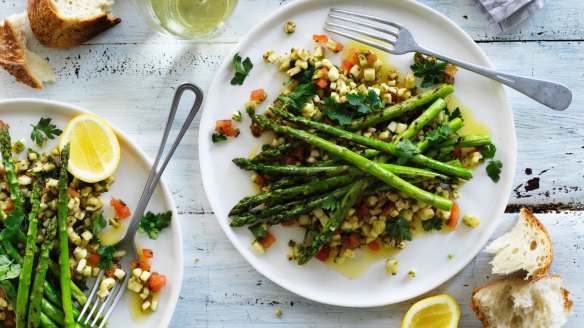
(53, 30)
(525, 213)
(12, 57)
(482, 318)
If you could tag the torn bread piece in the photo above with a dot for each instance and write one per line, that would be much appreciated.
(64, 23)
(26, 66)
(526, 247)
(519, 303)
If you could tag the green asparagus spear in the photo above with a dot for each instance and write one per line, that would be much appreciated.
(30, 251)
(46, 322)
(249, 165)
(361, 162)
(399, 109)
(13, 184)
(273, 153)
(39, 284)
(324, 237)
(424, 119)
(273, 196)
(379, 145)
(467, 141)
(62, 213)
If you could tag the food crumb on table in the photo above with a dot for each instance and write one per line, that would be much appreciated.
(278, 313)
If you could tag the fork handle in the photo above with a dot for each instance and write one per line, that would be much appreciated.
(156, 172)
(550, 94)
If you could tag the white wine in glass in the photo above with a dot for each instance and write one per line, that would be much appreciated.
(186, 19)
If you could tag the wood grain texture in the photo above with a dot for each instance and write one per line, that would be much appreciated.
(127, 75)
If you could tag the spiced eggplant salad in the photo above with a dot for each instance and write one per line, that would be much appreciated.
(53, 211)
(361, 155)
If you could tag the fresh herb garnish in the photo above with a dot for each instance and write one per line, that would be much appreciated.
(218, 137)
(8, 269)
(331, 204)
(489, 151)
(434, 223)
(405, 150)
(338, 112)
(99, 223)
(152, 224)
(106, 259)
(12, 224)
(399, 229)
(456, 113)
(494, 170)
(259, 230)
(305, 76)
(439, 134)
(430, 72)
(299, 97)
(242, 69)
(46, 128)
(365, 103)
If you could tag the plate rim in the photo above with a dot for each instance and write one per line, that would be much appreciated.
(166, 318)
(476, 51)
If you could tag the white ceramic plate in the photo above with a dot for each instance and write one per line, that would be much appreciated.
(130, 177)
(225, 184)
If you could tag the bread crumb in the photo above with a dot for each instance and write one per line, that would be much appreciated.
(278, 313)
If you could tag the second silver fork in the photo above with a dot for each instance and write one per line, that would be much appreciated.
(96, 306)
(397, 39)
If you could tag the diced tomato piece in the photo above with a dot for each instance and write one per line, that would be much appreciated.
(339, 47)
(454, 215)
(110, 272)
(261, 180)
(134, 264)
(93, 259)
(267, 240)
(147, 253)
(2, 294)
(1, 124)
(288, 222)
(121, 209)
(323, 254)
(374, 246)
(227, 128)
(299, 152)
(324, 70)
(288, 160)
(258, 95)
(351, 241)
(363, 211)
(353, 57)
(371, 58)
(9, 206)
(456, 152)
(346, 65)
(144, 265)
(157, 281)
(322, 82)
(72, 192)
(320, 37)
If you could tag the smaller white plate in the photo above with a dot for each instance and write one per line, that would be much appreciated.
(130, 176)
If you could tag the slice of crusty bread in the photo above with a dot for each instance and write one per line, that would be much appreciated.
(519, 303)
(65, 23)
(526, 247)
(28, 67)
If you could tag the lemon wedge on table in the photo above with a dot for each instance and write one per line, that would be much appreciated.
(440, 311)
(95, 150)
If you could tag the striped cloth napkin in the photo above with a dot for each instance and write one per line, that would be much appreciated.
(506, 14)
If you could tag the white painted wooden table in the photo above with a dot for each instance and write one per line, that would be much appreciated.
(128, 74)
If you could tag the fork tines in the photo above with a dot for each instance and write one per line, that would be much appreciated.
(389, 29)
(96, 303)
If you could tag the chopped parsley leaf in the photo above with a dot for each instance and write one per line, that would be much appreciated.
(218, 137)
(44, 130)
(106, 257)
(494, 170)
(152, 224)
(399, 229)
(242, 69)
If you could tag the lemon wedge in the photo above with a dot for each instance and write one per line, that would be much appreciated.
(95, 150)
(440, 311)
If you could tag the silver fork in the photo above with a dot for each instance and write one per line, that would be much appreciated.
(550, 94)
(95, 305)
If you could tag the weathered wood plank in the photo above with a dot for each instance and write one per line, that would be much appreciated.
(221, 290)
